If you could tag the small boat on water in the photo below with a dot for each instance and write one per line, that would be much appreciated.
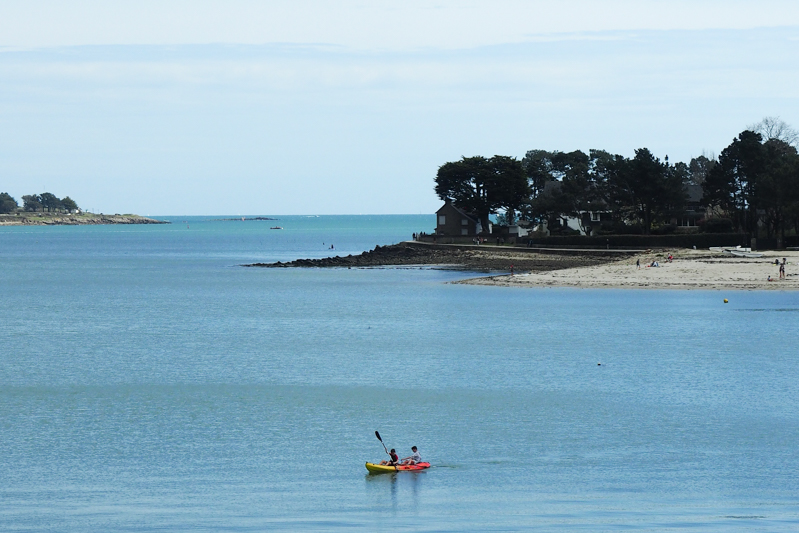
(386, 469)
(276, 227)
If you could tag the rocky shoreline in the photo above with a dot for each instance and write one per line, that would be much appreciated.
(58, 219)
(476, 258)
(594, 269)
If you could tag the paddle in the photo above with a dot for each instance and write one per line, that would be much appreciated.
(381, 442)
(377, 434)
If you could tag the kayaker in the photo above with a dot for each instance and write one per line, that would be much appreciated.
(394, 458)
(413, 459)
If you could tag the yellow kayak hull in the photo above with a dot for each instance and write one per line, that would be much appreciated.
(385, 469)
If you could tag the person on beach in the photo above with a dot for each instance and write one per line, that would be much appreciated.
(394, 458)
(413, 459)
(638, 263)
(782, 269)
(671, 257)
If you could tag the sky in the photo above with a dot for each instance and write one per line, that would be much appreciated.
(247, 107)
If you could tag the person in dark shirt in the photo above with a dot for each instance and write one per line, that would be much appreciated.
(394, 458)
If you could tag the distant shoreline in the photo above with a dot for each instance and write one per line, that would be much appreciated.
(61, 219)
(242, 219)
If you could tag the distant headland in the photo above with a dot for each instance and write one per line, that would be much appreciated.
(72, 219)
(47, 209)
(243, 219)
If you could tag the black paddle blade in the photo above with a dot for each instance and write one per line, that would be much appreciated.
(378, 436)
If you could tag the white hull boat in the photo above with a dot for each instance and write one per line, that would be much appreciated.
(737, 251)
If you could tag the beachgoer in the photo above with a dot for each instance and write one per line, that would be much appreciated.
(394, 458)
(416, 458)
(782, 270)
(511, 273)
(638, 263)
(769, 279)
(670, 258)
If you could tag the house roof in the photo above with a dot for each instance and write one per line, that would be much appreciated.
(695, 193)
(449, 203)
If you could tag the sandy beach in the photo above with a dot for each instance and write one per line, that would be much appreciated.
(690, 269)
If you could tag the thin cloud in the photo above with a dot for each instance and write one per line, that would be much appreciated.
(375, 25)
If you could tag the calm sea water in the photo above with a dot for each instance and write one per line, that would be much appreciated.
(147, 382)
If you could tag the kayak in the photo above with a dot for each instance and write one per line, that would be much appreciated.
(385, 469)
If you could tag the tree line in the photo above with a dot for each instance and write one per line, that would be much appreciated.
(38, 202)
(753, 184)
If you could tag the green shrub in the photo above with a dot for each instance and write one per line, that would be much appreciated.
(617, 227)
(666, 229)
(563, 231)
(716, 225)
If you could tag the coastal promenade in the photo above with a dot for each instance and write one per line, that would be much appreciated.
(534, 249)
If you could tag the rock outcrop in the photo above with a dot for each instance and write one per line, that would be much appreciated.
(483, 258)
